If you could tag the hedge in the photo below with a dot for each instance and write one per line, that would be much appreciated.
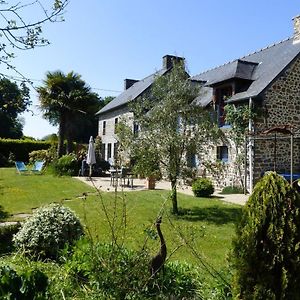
(21, 148)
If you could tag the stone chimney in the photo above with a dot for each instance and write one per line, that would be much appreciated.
(296, 29)
(168, 61)
(128, 83)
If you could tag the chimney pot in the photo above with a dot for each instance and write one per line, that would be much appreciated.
(296, 29)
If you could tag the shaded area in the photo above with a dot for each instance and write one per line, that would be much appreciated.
(3, 214)
(213, 214)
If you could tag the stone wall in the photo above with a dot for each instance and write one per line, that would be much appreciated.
(230, 173)
(281, 106)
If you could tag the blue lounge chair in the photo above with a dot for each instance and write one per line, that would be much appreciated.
(21, 168)
(37, 167)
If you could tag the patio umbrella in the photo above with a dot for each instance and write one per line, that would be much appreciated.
(91, 159)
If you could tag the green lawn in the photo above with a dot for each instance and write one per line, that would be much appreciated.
(207, 223)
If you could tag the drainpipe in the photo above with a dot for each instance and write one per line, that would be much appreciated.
(251, 146)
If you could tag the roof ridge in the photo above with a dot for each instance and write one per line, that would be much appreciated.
(156, 72)
(241, 58)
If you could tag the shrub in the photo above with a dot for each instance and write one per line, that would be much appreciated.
(48, 230)
(46, 155)
(202, 187)
(30, 284)
(266, 252)
(232, 190)
(66, 165)
(6, 237)
(112, 272)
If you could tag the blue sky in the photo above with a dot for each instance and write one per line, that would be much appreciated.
(107, 41)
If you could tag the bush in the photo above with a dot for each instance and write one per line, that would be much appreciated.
(29, 285)
(111, 272)
(43, 155)
(48, 231)
(266, 252)
(66, 165)
(6, 237)
(202, 187)
(232, 190)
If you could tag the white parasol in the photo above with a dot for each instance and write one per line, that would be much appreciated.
(91, 159)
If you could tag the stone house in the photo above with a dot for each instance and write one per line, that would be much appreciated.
(119, 107)
(267, 80)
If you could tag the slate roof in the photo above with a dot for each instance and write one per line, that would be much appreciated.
(132, 93)
(261, 67)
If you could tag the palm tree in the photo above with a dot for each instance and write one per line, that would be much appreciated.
(63, 100)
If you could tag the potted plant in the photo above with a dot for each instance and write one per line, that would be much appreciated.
(146, 165)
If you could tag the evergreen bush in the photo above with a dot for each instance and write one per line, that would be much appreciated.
(266, 252)
(48, 231)
(202, 187)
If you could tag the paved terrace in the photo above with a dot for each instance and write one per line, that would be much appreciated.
(104, 184)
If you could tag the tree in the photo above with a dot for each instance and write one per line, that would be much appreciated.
(238, 117)
(66, 100)
(266, 252)
(14, 100)
(17, 32)
(171, 124)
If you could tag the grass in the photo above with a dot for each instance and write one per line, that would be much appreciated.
(207, 224)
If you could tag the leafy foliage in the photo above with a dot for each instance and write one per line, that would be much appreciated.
(118, 273)
(14, 100)
(42, 155)
(66, 100)
(203, 187)
(67, 165)
(48, 231)
(232, 190)
(30, 284)
(21, 33)
(266, 254)
(171, 123)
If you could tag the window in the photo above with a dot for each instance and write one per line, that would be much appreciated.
(104, 128)
(116, 124)
(108, 151)
(103, 151)
(116, 145)
(222, 153)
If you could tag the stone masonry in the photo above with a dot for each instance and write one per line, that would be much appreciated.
(281, 106)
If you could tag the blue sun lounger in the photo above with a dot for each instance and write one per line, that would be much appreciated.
(37, 167)
(21, 168)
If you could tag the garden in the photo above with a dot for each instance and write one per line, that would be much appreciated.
(198, 240)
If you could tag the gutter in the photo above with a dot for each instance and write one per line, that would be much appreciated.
(251, 148)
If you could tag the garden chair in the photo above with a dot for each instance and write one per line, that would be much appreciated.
(21, 168)
(37, 167)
